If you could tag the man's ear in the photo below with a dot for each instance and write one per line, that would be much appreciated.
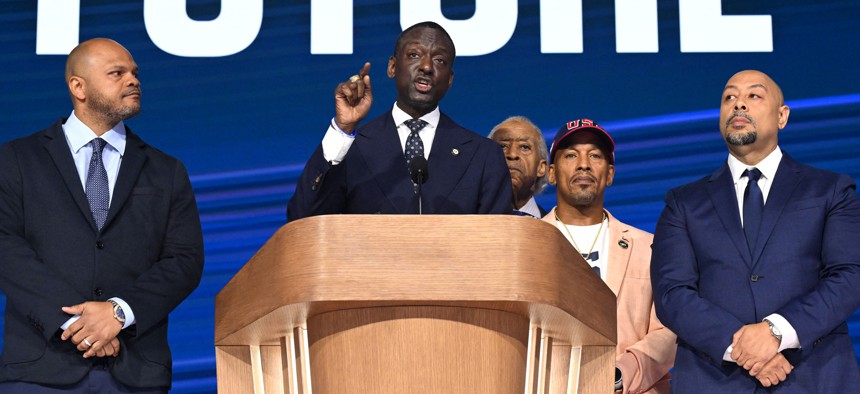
(551, 174)
(542, 168)
(391, 63)
(77, 88)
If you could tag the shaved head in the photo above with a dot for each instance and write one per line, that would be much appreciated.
(769, 85)
(82, 55)
(102, 79)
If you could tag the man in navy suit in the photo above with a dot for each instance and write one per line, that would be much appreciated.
(367, 170)
(99, 240)
(756, 267)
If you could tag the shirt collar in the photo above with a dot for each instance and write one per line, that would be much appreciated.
(768, 166)
(531, 208)
(432, 117)
(79, 134)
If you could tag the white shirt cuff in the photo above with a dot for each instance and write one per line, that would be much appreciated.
(336, 143)
(69, 322)
(789, 334)
(727, 356)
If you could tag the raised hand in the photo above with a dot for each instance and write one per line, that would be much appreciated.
(352, 100)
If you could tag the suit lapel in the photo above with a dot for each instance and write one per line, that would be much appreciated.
(722, 191)
(787, 177)
(451, 153)
(58, 149)
(386, 162)
(132, 163)
(619, 256)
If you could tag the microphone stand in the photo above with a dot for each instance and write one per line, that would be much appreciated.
(420, 181)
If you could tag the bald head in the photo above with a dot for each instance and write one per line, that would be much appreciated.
(766, 81)
(752, 112)
(102, 79)
(81, 57)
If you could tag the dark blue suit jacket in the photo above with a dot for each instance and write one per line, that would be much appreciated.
(467, 175)
(806, 267)
(149, 253)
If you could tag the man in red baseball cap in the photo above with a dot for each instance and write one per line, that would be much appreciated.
(582, 165)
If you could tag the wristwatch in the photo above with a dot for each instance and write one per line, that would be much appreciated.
(774, 330)
(118, 314)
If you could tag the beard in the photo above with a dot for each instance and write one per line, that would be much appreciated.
(747, 138)
(742, 139)
(101, 105)
(581, 197)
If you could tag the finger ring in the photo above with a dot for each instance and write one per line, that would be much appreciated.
(354, 78)
(86, 342)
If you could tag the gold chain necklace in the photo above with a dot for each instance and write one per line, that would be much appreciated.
(599, 229)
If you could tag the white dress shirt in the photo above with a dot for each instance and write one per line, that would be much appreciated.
(78, 136)
(531, 208)
(336, 142)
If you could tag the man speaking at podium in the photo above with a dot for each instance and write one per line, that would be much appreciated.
(367, 170)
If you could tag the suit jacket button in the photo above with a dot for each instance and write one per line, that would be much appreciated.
(754, 278)
(100, 244)
(98, 291)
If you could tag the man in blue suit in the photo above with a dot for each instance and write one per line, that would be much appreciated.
(367, 170)
(756, 267)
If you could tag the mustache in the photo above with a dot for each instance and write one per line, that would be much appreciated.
(742, 115)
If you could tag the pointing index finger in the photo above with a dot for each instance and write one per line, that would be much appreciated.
(364, 70)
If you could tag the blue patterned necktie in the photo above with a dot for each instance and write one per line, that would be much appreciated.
(753, 207)
(414, 145)
(98, 193)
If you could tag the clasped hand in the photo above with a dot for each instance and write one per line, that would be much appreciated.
(94, 333)
(755, 349)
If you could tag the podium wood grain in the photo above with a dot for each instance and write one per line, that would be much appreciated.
(394, 304)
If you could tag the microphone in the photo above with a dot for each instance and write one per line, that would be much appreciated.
(418, 170)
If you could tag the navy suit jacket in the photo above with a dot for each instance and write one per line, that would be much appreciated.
(149, 253)
(806, 267)
(467, 174)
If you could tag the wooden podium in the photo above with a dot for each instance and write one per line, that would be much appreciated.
(415, 304)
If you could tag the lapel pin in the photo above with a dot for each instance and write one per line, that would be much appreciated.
(455, 152)
(623, 244)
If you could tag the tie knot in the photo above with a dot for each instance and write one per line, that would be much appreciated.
(415, 125)
(98, 144)
(753, 174)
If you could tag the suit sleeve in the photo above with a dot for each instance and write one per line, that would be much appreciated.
(496, 190)
(647, 361)
(24, 278)
(835, 297)
(674, 278)
(320, 190)
(161, 288)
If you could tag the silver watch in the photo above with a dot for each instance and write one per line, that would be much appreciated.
(774, 330)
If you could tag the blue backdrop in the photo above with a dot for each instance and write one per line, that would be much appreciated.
(244, 124)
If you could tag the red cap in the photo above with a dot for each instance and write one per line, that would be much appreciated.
(580, 125)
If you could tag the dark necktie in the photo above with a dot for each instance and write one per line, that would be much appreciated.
(414, 145)
(98, 192)
(753, 207)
